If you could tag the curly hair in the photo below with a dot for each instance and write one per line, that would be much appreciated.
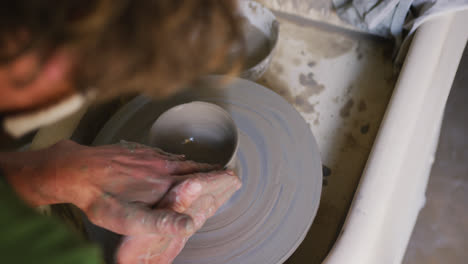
(125, 46)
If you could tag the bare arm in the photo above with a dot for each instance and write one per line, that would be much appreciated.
(114, 185)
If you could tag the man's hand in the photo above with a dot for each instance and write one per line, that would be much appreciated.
(162, 249)
(116, 185)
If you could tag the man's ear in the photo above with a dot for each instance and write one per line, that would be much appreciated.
(26, 85)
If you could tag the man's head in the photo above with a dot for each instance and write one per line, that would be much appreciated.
(50, 48)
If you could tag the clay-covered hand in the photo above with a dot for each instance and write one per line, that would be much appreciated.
(115, 185)
(200, 197)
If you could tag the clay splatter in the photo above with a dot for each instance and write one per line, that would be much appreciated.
(280, 87)
(303, 104)
(349, 89)
(306, 94)
(359, 51)
(355, 123)
(300, 101)
(311, 64)
(326, 171)
(277, 68)
(296, 61)
(325, 182)
(312, 87)
(339, 47)
(350, 140)
(365, 129)
(336, 99)
(307, 80)
(346, 109)
(362, 106)
(317, 119)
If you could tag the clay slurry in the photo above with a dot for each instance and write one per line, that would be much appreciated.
(204, 151)
(203, 132)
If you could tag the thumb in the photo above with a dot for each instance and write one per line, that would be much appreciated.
(181, 197)
(137, 218)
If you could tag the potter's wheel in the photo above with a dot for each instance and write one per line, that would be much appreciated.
(278, 161)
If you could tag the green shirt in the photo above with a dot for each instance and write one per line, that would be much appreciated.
(28, 237)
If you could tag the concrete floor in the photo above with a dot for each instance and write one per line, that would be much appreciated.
(441, 231)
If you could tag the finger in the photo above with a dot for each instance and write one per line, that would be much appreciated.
(158, 164)
(176, 167)
(224, 196)
(217, 188)
(207, 205)
(137, 219)
(167, 154)
(153, 248)
(214, 182)
(201, 209)
(135, 147)
(131, 145)
(182, 195)
(156, 248)
(147, 191)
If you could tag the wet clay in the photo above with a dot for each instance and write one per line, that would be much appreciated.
(202, 132)
(277, 160)
(346, 109)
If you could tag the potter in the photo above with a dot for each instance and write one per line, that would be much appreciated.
(58, 57)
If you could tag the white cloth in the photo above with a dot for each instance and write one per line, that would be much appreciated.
(390, 18)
